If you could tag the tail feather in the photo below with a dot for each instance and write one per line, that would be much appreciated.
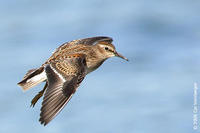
(32, 78)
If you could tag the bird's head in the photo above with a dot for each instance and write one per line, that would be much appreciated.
(108, 50)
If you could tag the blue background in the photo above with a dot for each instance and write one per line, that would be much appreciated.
(151, 93)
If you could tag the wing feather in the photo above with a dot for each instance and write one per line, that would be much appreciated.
(61, 85)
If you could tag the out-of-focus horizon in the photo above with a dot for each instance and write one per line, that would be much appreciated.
(153, 92)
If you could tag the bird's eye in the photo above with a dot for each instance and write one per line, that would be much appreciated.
(106, 48)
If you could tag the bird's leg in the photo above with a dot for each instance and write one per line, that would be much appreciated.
(38, 96)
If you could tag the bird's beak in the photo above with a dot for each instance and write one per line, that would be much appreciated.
(121, 56)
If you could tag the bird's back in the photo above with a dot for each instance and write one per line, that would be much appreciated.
(65, 50)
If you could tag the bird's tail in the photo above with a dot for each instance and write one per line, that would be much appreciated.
(32, 78)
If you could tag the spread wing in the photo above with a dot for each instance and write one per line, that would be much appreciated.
(63, 78)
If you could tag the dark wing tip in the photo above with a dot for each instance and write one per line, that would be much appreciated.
(42, 122)
(102, 38)
(21, 82)
(94, 40)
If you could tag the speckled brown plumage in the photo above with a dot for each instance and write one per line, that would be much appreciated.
(65, 70)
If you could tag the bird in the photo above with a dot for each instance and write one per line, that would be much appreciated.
(65, 70)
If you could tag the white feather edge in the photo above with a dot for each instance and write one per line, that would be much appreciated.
(41, 76)
(59, 75)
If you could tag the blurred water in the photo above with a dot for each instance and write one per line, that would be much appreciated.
(151, 93)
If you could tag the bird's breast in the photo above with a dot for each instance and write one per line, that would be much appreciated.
(93, 65)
